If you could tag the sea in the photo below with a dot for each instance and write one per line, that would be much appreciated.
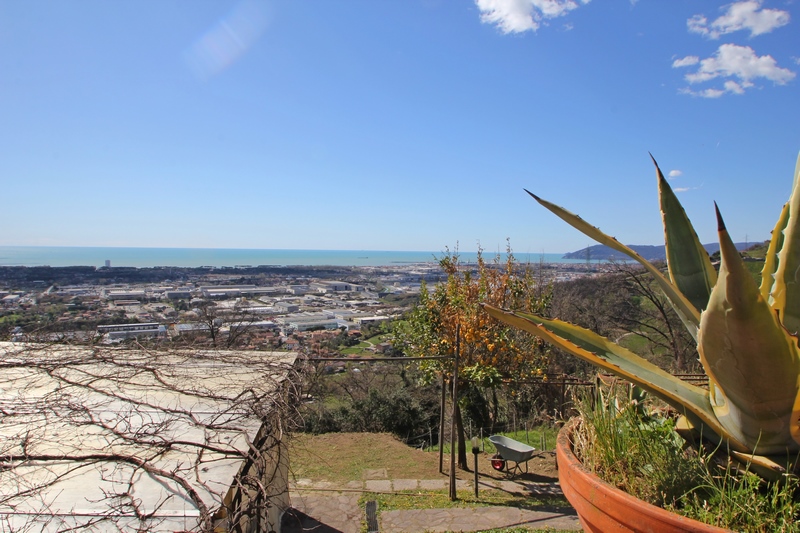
(60, 256)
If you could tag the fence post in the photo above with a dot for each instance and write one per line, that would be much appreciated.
(453, 495)
(441, 427)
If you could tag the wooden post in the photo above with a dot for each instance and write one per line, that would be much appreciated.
(453, 495)
(441, 427)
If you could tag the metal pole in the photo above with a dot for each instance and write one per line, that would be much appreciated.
(453, 495)
(475, 450)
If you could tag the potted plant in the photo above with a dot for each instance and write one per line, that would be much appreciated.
(745, 333)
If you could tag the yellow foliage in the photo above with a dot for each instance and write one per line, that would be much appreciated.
(453, 308)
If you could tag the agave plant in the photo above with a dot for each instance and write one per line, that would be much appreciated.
(746, 335)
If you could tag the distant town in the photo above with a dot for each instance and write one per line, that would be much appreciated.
(258, 308)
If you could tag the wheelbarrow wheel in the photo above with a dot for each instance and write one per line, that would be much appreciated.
(498, 463)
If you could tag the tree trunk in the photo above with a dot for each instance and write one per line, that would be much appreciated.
(462, 443)
(495, 409)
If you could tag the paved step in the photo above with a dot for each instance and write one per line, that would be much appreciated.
(474, 519)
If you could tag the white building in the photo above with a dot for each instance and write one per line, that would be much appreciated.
(119, 332)
(125, 295)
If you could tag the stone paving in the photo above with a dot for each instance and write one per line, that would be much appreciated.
(320, 507)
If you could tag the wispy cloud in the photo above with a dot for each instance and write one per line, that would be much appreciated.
(517, 16)
(738, 16)
(737, 65)
(679, 190)
(674, 174)
(686, 61)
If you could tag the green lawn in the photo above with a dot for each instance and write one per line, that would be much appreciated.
(532, 437)
(362, 348)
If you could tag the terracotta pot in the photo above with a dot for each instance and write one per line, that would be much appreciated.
(603, 508)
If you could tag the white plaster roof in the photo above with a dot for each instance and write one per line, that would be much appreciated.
(93, 416)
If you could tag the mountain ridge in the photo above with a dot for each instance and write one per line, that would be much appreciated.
(601, 252)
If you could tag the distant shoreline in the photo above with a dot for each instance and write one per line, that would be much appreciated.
(66, 256)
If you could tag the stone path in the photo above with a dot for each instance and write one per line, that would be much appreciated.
(324, 508)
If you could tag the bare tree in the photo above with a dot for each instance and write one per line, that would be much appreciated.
(627, 302)
(112, 439)
(226, 327)
(657, 321)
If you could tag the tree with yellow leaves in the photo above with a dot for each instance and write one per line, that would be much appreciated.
(489, 351)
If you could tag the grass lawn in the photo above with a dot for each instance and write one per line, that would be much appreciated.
(541, 438)
(466, 498)
(358, 349)
(363, 347)
(343, 457)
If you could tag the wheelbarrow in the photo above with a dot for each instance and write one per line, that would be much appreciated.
(510, 451)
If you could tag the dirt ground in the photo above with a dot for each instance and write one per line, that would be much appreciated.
(343, 457)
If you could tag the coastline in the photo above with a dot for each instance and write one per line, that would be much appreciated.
(66, 256)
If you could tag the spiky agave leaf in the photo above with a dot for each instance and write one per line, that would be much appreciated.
(689, 399)
(751, 360)
(690, 268)
(771, 257)
(786, 288)
(687, 312)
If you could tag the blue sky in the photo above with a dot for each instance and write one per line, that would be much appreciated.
(391, 125)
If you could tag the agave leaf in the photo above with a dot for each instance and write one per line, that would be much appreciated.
(772, 468)
(771, 258)
(690, 268)
(687, 312)
(691, 400)
(766, 467)
(752, 361)
(786, 289)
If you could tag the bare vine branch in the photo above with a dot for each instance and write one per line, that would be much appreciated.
(142, 440)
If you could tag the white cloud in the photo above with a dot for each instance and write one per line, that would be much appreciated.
(735, 88)
(678, 190)
(743, 15)
(674, 174)
(516, 16)
(686, 61)
(707, 93)
(738, 63)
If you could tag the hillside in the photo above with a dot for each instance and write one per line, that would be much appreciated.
(601, 252)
